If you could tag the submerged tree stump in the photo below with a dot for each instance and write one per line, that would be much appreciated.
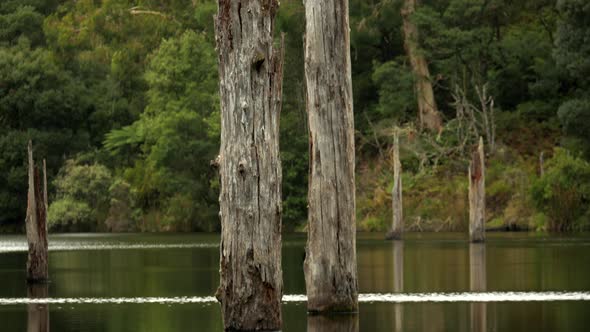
(36, 225)
(398, 283)
(330, 263)
(477, 195)
(250, 73)
(397, 228)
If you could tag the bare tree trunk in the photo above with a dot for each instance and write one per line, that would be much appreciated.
(397, 228)
(38, 314)
(478, 281)
(333, 323)
(542, 164)
(330, 263)
(36, 225)
(477, 195)
(250, 72)
(427, 110)
(45, 186)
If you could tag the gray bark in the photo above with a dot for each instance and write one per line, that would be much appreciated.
(427, 110)
(542, 164)
(478, 281)
(38, 314)
(477, 195)
(397, 227)
(250, 73)
(36, 225)
(330, 263)
(333, 323)
(45, 186)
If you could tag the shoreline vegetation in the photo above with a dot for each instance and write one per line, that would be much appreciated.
(124, 106)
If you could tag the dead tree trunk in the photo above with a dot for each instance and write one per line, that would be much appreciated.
(397, 228)
(36, 225)
(250, 73)
(478, 281)
(45, 186)
(477, 195)
(330, 263)
(428, 114)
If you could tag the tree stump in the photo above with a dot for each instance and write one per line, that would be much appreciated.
(36, 225)
(250, 73)
(397, 227)
(330, 263)
(477, 195)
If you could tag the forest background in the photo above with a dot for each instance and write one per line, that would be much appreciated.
(121, 98)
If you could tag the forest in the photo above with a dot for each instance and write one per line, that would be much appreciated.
(121, 97)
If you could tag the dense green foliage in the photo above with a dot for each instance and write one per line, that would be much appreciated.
(122, 94)
(563, 192)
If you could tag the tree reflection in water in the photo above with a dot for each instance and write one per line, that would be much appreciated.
(38, 314)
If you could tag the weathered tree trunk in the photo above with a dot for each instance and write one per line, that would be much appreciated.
(428, 114)
(250, 72)
(477, 195)
(45, 186)
(36, 225)
(397, 228)
(398, 283)
(333, 323)
(478, 281)
(38, 314)
(330, 263)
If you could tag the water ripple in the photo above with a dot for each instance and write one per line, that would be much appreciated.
(366, 298)
(7, 247)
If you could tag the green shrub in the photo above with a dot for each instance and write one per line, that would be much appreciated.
(68, 214)
(563, 192)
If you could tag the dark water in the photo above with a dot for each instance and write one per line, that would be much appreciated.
(134, 267)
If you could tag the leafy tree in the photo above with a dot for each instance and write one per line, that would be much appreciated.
(82, 198)
(563, 192)
(177, 135)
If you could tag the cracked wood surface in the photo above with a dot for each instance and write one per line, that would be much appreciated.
(250, 73)
(330, 263)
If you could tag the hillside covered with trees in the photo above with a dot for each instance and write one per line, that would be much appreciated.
(121, 98)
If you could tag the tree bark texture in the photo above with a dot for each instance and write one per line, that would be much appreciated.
(250, 72)
(333, 323)
(477, 195)
(428, 114)
(45, 201)
(478, 281)
(397, 227)
(36, 225)
(330, 263)
(38, 314)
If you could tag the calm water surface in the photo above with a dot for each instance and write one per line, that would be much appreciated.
(132, 267)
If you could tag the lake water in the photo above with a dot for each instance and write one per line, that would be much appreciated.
(429, 282)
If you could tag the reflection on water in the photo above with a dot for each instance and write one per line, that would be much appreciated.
(333, 323)
(398, 282)
(166, 282)
(38, 314)
(477, 281)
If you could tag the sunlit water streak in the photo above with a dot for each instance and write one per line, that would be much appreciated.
(7, 247)
(366, 298)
